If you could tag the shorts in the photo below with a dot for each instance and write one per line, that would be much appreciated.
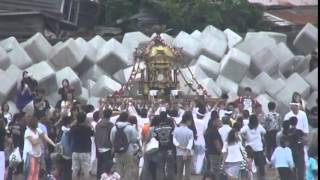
(81, 161)
(259, 158)
(232, 168)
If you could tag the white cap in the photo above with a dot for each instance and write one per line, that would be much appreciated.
(198, 113)
(294, 104)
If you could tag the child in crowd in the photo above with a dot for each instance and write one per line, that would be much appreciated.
(312, 168)
(282, 159)
(112, 175)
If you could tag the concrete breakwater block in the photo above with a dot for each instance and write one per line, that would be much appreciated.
(74, 81)
(93, 101)
(14, 71)
(190, 46)
(17, 55)
(94, 73)
(307, 39)
(67, 54)
(89, 84)
(227, 85)
(235, 65)
(256, 86)
(254, 45)
(105, 86)
(113, 56)
(198, 73)
(295, 83)
(232, 38)
(7, 87)
(123, 75)
(45, 75)
(213, 46)
(133, 40)
(301, 63)
(311, 101)
(278, 37)
(97, 42)
(53, 98)
(196, 34)
(211, 87)
(285, 57)
(90, 52)
(84, 96)
(264, 80)
(37, 47)
(213, 31)
(4, 59)
(264, 61)
(209, 66)
(312, 79)
(276, 87)
(264, 99)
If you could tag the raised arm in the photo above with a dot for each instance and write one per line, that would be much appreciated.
(46, 138)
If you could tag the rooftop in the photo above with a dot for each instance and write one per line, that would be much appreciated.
(298, 16)
(285, 2)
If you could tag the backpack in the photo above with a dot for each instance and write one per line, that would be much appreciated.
(164, 134)
(272, 121)
(121, 142)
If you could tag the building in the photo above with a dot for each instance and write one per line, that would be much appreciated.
(54, 18)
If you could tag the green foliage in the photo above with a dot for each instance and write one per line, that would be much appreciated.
(189, 15)
(112, 10)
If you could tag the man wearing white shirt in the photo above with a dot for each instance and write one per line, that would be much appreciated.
(301, 116)
(183, 140)
(201, 125)
(302, 124)
(103, 144)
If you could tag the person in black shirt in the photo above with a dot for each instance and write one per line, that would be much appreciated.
(64, 89)
(103, 143)
(166, 153)
(17, 128)
(26, 90)
(2, 141)
(214, 145)
(41, 105)
(296, 141)
(81, 147)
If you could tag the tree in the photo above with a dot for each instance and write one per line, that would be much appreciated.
(111, 12)
(189, 15)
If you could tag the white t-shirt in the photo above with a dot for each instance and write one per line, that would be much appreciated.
(222, 113)
(253, 137)
(35, 150)
(245, 122)
(302, 124)
(247, 103)
(113, 119)
(8, 116)
(233, 152)
(224, 131)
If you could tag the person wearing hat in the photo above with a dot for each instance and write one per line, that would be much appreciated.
(201, 122)
(302, 124)
(301, 116)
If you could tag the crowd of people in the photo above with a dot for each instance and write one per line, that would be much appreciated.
(132, 140)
